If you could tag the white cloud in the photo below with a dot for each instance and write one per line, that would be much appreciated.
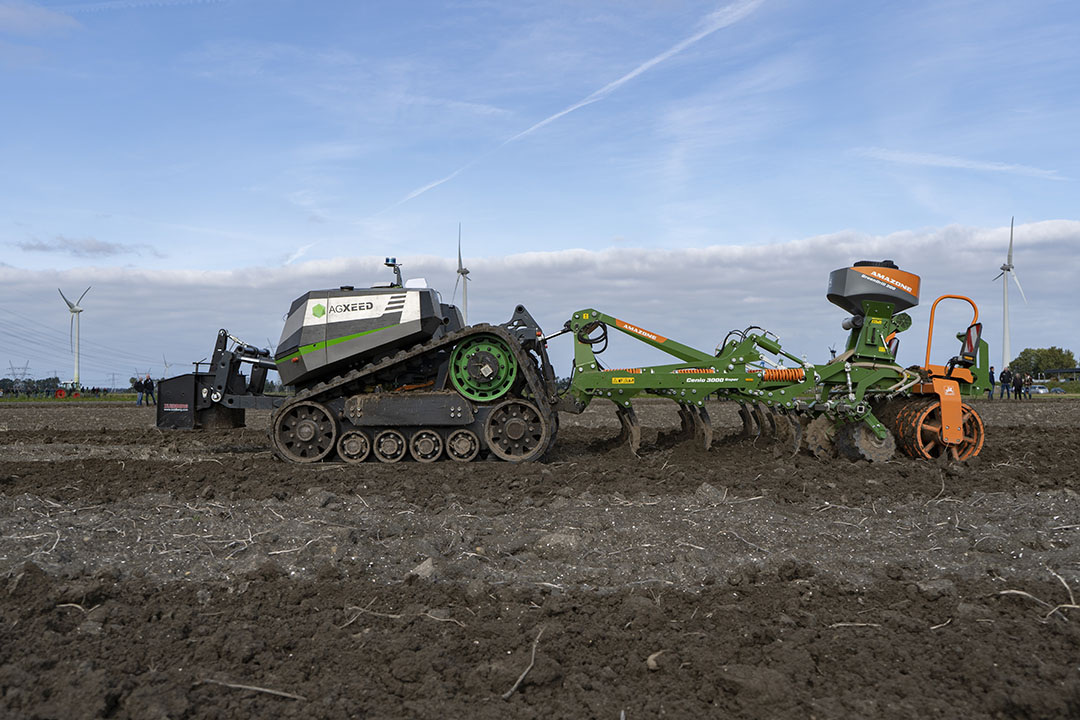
(84, 247)
(692, 295)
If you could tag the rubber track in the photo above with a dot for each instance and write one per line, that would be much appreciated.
(327, 390)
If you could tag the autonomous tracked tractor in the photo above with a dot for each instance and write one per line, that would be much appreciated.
(392, 372)
(388, 372)
(861, 404)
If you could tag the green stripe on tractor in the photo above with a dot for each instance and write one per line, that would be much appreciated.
(305, 349)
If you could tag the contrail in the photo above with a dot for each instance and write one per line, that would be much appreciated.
(722, 18)
(948, 161)
(715, 21)
(299, 253)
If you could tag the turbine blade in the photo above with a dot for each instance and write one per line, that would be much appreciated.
(998, 275)
(70, 304)
(1009, 261)
(83, 295)
(453, 298)
(459, 247)
(1013, 273)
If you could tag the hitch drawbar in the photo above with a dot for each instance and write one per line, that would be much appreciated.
(217, 397)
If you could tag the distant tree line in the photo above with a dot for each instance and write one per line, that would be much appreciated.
(1036, 361)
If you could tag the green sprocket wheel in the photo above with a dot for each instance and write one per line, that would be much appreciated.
(483, 368)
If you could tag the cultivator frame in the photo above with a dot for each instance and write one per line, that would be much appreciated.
(859, 403)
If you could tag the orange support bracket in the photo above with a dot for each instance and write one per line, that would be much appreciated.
(952, 416)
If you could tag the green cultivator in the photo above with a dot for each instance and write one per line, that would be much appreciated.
(392, 373)
(861, 403)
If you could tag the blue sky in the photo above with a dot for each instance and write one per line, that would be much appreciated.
(157, 149)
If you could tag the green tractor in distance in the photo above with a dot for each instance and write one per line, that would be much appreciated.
(861, 403)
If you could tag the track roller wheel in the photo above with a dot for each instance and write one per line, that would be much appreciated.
(305, 432)
(516, 431)
(353, 446)
(390, 446)
(819, 437)
(921, 429)
(425, 446)
(462, 445)
(858, 442)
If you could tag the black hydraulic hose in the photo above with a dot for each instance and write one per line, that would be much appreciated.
(583, 336)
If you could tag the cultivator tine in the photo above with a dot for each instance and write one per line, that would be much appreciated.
(702, 425)
(765, 422)
(687, 424)
(631, 431)
(796, 433)
(749, 428)
(788, 429)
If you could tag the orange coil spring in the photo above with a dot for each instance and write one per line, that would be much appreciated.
(632, 371)
(784, 374)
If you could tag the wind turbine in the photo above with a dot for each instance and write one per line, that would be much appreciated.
(1006, 270)
(73, 332)
(167, 364)
(463, 278)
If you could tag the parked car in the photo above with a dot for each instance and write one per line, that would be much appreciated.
(1040, 390)
(1057, 391)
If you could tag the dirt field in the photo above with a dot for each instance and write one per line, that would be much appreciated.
(191, 575)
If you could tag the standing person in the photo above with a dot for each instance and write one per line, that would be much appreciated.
(138, 385)
(1006, 384)
(1018, 386)
(148, 386)
(1028, 381)
(990, 392)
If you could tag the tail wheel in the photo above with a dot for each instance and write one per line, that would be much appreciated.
(305, 432)
(61, 393)
(354, 446)
(516, 432)
(462, 445)
(858, 442)
(483, 368)
(390, 446)
(426, 446)
(922, 432)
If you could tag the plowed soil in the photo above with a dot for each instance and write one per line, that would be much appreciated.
(151, 574)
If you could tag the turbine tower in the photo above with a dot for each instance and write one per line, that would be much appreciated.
(1006, 270)
(463, 278)
(73, 332)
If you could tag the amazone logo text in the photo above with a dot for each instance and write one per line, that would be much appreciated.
(891, 281)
